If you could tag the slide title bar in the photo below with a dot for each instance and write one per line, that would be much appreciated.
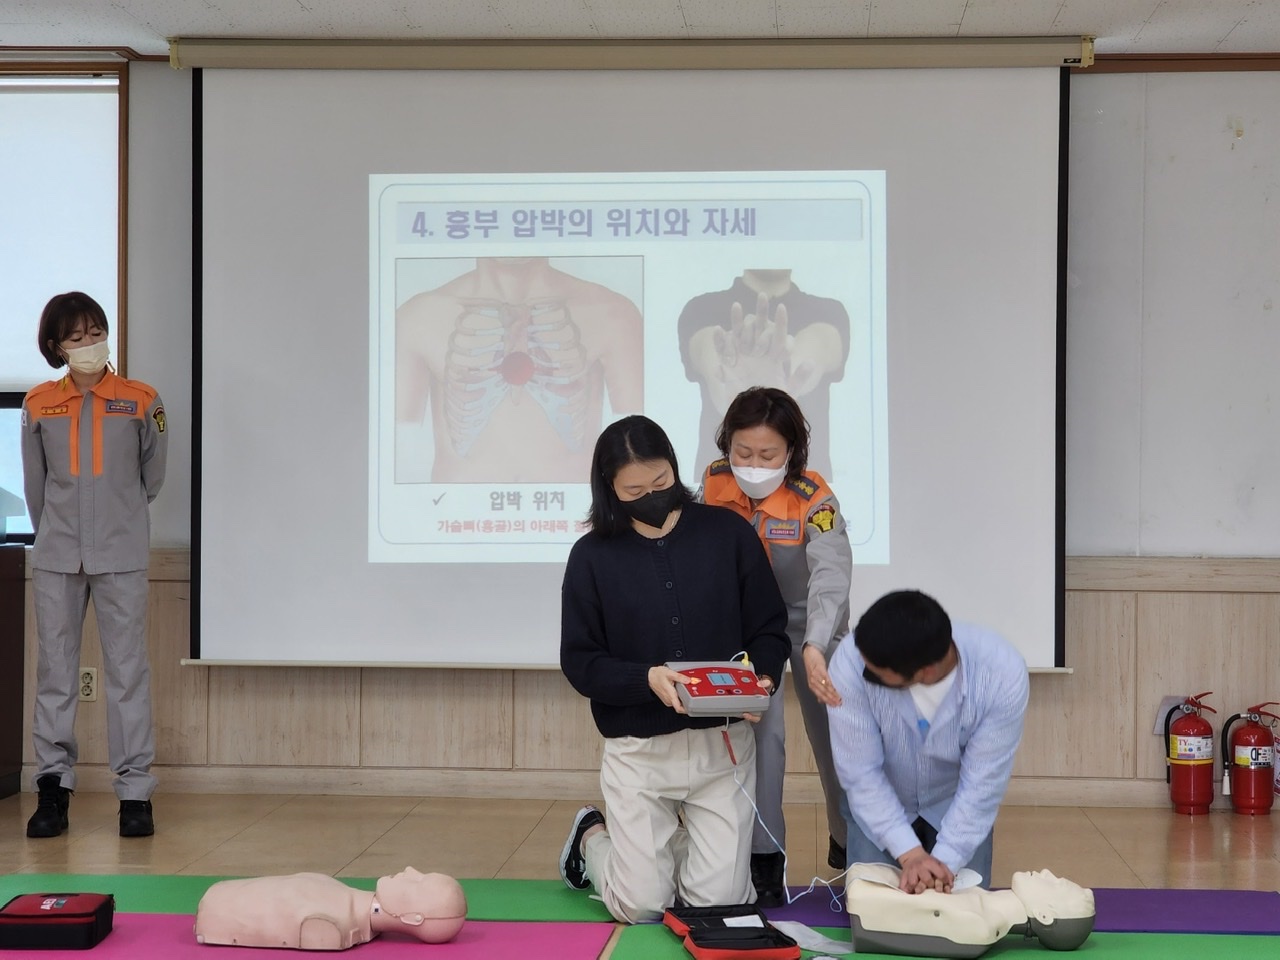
(186, 53)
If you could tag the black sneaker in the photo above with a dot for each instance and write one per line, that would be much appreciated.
(573, 865)
(50, 818)
(836, 855)
(767, 871)
(136, 819)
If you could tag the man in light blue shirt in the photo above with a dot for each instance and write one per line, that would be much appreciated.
(924, 738)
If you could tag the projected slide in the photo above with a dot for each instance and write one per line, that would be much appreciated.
(512, 317)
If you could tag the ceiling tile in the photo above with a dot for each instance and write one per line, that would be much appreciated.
(1191, 26)
(1120, 26)
(545, 18)
(628, 19)
(916, 18)
(746, 18)
(1113, 24)
(1009, 18)
(1257, 31)
(362, 19)
(823, 18)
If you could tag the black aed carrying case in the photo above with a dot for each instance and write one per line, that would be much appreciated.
(739, 932)
(56, 921)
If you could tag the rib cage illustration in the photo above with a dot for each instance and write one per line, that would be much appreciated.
(500, 350)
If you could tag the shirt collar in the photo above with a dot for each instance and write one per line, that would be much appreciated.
(775, 504)
(108, 387)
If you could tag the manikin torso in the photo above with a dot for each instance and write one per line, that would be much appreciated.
(308, 911)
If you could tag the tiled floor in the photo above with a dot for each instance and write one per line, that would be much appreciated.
(372, 836)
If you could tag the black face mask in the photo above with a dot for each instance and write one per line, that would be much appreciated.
(654, 506)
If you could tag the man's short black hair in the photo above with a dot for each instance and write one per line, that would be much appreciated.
(903, 631)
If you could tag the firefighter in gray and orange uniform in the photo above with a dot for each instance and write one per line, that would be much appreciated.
(762, 477)
(93, 457)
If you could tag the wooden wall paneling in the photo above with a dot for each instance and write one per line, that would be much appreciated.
(1191, 642)
(799, 753)
(179, 695)
(435, 718)
(292, 716)
(553, 728)
(1082, 724)
(1136, 628)
(1175, 574)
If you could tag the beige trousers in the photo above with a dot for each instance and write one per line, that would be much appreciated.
(645, 859)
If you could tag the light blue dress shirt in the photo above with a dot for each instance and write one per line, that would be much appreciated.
(953, 772)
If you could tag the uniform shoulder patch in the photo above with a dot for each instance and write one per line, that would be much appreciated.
(719, 466)
(158, 416)
(824, 518)
(803, 486)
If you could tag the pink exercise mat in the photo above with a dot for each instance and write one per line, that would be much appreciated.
(168, 936)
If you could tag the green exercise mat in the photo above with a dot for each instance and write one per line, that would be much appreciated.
(148, 893)
(656, 942)
(134, 892)
(530, 900)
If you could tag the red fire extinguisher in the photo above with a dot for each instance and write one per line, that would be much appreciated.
(1189, 756)
(1248, 760)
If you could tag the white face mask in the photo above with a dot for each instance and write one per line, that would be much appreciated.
(758, 482)
(89, 360)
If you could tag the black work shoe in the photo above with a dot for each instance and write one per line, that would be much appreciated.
(767, 877)
(836, 856)
(573, 864)
(136, 819)
(50, 818)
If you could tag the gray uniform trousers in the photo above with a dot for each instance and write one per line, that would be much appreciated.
(771, 759)
(120, 603)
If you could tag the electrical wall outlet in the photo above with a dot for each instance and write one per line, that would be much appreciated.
(88, 683)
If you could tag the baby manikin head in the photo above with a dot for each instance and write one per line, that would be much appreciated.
(432, 906)
(1060, 912)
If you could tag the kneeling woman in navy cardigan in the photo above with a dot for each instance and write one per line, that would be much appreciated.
(661, 578)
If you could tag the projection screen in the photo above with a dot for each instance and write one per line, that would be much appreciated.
(565, 244)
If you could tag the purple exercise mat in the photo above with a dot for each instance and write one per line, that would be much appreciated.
(1186, 911)
(1119, 910)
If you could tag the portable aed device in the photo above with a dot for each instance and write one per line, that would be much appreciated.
(725, 688)
(739, 932)
(56, 921)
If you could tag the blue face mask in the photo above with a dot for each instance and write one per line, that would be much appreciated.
(654, 507)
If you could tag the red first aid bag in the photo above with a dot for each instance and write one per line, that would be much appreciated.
(739, 932)
(56, 921)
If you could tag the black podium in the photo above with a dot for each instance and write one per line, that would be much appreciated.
(12, 641)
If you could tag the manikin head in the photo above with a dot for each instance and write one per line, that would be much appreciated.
(429, 906)
(1060, 912)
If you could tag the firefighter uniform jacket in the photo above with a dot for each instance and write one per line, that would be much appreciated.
(91, 465)
(803, 531)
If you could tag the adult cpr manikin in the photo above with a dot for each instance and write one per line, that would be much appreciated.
(313, 911)
(966, 923)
